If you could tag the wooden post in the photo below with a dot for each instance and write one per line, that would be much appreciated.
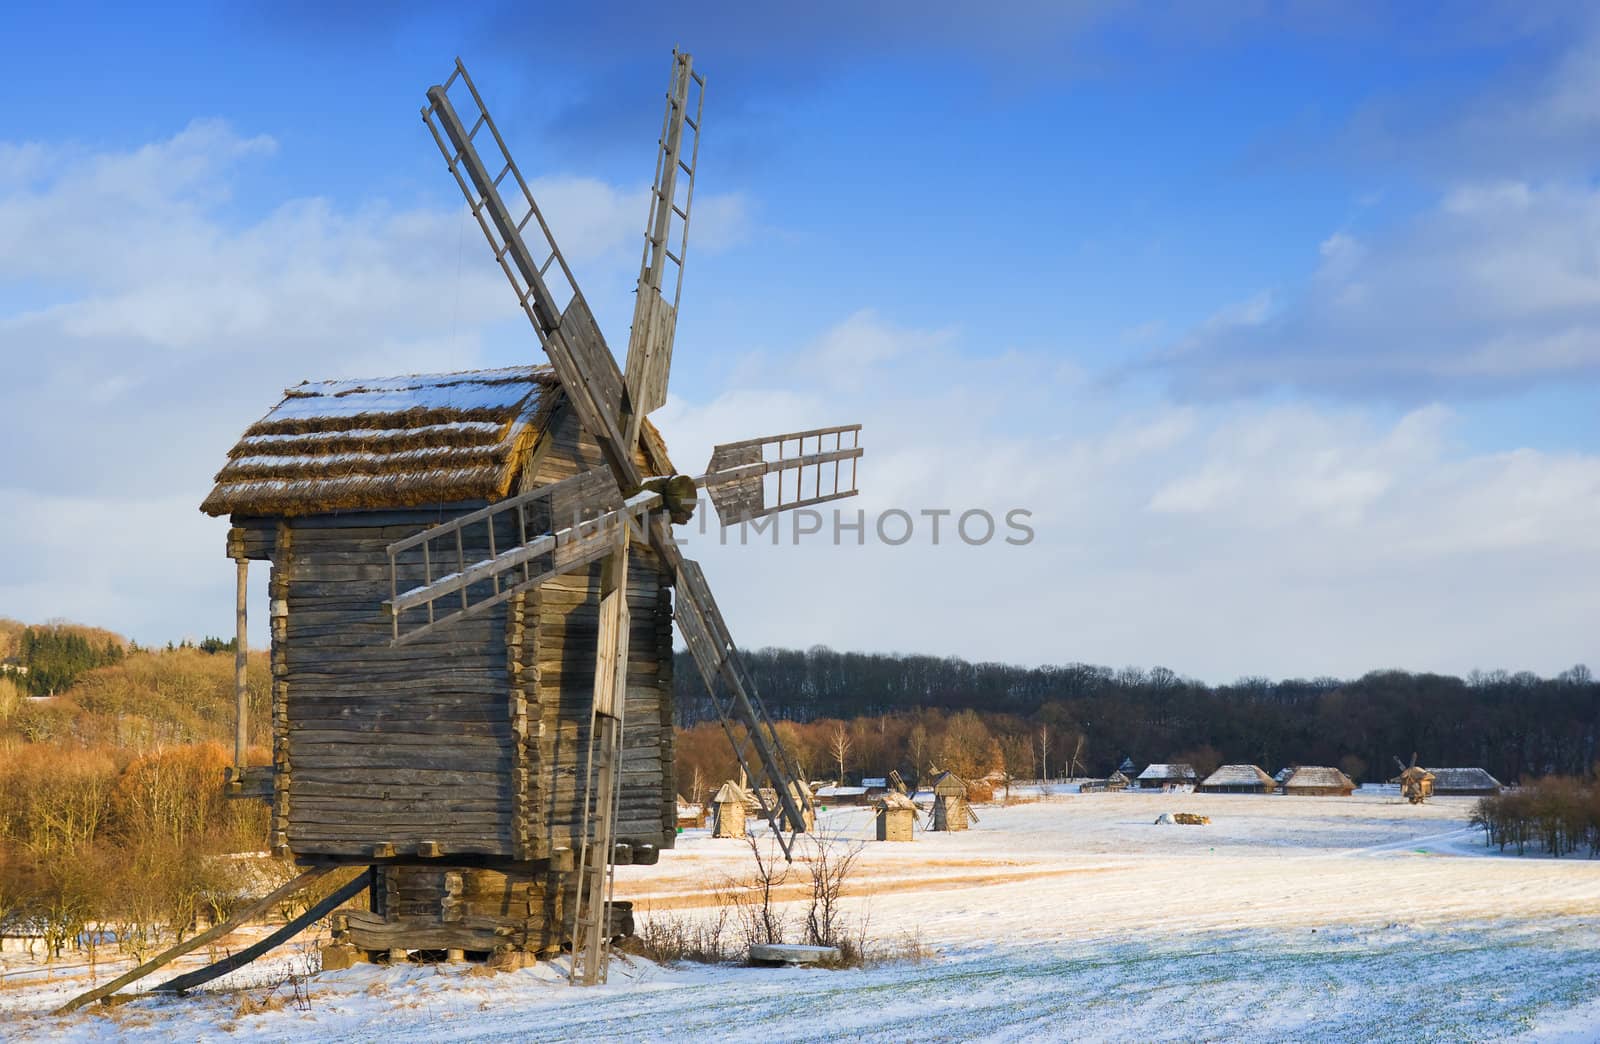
(241, 659)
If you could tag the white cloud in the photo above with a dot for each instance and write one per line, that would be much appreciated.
(149, 315)
(1498, 283)
(1220, 540)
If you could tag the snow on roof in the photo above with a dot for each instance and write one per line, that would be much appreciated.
(838, 791)
(1307, 776)
(875, 781)
(1238, 776)
(893, 800)
(732, 792)
(387, 442)
(1463, 779)
(1174, 771)
(392, 442)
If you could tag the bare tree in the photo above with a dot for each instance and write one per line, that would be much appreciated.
(759, 920)
(918, 742)
(830, 867)
(1075, 763)
(839, 745)
(1044, 752)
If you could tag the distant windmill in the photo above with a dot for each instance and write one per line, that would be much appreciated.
(1416, 784)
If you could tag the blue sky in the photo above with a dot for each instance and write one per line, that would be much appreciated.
(1282, 319)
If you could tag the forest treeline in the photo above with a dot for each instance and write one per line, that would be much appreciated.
(1516, 725)
(111, 803)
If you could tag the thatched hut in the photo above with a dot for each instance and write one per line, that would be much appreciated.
(1464, 782)
(691, 814)
(769, 799)
(1155, 777)
(728, 810)
(1237, 779)
(1117, 781)
(950, 808)
(839, 794)
(895, 816)
(1318, 781)
(453, 756)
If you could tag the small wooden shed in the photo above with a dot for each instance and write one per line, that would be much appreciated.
(728, 810)
(950, 808)
(896, 817)
(1238, 779)
(1155, 777)
(1318, 781)
(1117, 781)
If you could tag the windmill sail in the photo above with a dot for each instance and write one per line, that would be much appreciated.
(763, 476)
(655, 318)
(593, 383)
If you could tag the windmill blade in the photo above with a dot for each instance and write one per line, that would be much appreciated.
(515, 545)
(734, 694)
(655, 319)
(545, 287)
(757, 477)
(594, 385)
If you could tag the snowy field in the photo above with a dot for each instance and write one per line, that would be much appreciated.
(1069, 918)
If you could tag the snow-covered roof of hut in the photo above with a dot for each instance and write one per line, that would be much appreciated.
(1238, 776)
(893, 800)
(1283, 774)
(391, 442)
(731, 793)
(1320, 776)
(1463, 779)
(871, 782)
(1176, 771)
(836, 790)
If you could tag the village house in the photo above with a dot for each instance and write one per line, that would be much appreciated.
(1156, 777)
(1318, 781)
(1238, 779)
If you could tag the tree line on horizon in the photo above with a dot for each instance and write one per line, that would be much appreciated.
(1515, 725)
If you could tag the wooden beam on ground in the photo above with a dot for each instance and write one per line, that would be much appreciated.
(238, 920)
(188, 981)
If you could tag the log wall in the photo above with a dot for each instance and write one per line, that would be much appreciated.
(469, 740)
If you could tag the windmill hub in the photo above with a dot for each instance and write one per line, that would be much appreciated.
(678, 496)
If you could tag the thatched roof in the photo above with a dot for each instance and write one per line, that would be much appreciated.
(1239, 776)
(1319, 777)
(733, 793)
(893, 800)
(1179, 771)
(395, 442)
(391, 442)
(1463, 779)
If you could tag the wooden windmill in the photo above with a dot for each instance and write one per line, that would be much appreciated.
(1416, 784)
(474, 582)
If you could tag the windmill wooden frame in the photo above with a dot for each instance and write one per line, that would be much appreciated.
(428, 533)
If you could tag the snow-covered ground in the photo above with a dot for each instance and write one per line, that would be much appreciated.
(1070, 918)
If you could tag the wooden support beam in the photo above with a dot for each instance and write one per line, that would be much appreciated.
(190, 980)
(194, 942)
(241, 660)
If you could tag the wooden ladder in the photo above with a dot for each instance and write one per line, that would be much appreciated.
(591, 928)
